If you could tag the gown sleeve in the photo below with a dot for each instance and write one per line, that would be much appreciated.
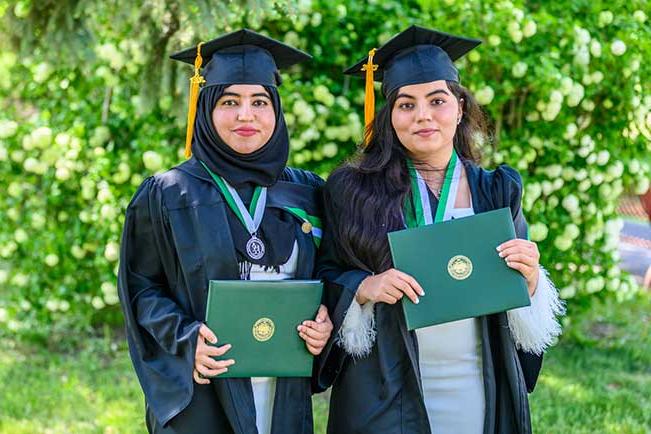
(533, 328)
(153, 318)
(340, 286)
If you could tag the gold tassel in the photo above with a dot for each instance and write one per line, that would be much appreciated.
(195, 82)
(369, 96)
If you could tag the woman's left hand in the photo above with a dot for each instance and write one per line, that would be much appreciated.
(522, 255)
(316, 333)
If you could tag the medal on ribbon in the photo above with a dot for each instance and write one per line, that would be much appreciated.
(250, 218)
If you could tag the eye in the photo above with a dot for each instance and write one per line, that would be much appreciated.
(406, 106)
(229, 102)
(260, 103)
(438, 101)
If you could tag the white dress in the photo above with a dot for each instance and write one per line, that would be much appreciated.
(264, 388)
(451, 372)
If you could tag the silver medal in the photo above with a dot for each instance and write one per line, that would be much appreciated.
(255, 248)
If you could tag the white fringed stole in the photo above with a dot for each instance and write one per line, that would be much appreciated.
(534, 328)
(357, 333)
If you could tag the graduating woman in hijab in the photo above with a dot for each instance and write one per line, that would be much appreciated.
(184, 227)
(464, 377)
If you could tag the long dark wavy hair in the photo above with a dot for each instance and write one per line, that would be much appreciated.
(372, 187)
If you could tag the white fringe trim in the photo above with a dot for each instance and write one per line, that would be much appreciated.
(357, 333)
(535, 327)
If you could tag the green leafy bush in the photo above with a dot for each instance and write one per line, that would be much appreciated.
(563, 83)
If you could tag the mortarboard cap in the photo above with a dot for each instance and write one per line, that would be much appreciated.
(416, 55)
(241, 57)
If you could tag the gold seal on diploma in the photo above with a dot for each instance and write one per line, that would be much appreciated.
(460, 267)
(306, 227)
(263, 329)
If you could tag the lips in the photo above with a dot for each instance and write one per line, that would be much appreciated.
(425, 132)
(245, 131)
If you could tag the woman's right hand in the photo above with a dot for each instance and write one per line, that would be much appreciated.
(388, 287)
(204, 364)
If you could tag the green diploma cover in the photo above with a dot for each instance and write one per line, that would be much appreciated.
(259, 320)
(457, 265)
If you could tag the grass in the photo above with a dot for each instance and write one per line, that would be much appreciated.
(597, 380)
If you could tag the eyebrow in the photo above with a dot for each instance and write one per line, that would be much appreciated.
(434, 92)
(262, 94)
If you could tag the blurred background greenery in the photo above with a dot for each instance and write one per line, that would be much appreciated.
(90, 105)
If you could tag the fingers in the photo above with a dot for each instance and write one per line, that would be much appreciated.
(321, 333)
(517, 243)
(207, 334)
(198, 379)
(522, 258)
(407, 289)
(211, 363)
(315, 351)
(210, 350)
(322, 314)
(411, 282)
(209, 372)
(524, 269)
(316, 343)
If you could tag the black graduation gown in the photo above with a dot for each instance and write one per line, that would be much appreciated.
(176, 238)
(382, 393)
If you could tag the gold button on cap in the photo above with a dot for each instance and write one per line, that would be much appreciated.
(306, 227)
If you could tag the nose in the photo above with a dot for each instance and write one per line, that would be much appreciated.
(423, 113)
(245, 114)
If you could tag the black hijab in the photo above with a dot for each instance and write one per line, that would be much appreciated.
(262, 167)
(244, 172)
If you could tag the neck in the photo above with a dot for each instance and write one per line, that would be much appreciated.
(437, 160)
(432, 165)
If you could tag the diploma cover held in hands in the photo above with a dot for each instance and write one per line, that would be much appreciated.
(259, 319)
(457, 265)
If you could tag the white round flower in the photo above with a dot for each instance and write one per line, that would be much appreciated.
(616, 170)
(566, 85)
(42, 137)
(485, 95)
(556, 96)
(576, 95)
(538, 232)
(642, 186)
(323, 95)
(551, 111)
(567, 292)
(571, 203)
(595, 284)
(97, 303)
(553, 170)
(474, 56)
(77, 252)
(4, 276)
(20, 235)
(330, 149)
(605, 18)
(570, 131)
(51, 305)
(596, 177)
(38, 220)
(618, 47)
(582, 56)
(20, 279)
(64, 305)
(62, 174)
(112, 251)
(587, 105)
(582, 36)
(597, 77)
(529, 28)
(595, 48)
(584, 185)
(7, 128)
(3, 314)
(640, 16)
(51, 260)
(603, 157)
(104, 195)
(572, 231)
(562, 243)
(152, 160)
(606, 192)
(547, 187)
(494, 40)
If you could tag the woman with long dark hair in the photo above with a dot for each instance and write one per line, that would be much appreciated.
(196, 223)
(469, 376)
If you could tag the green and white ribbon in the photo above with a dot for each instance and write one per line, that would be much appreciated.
(314, 221)
(421, 212)
(250, 218)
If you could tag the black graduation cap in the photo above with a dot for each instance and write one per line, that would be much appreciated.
(415, 55)
(241, 57)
